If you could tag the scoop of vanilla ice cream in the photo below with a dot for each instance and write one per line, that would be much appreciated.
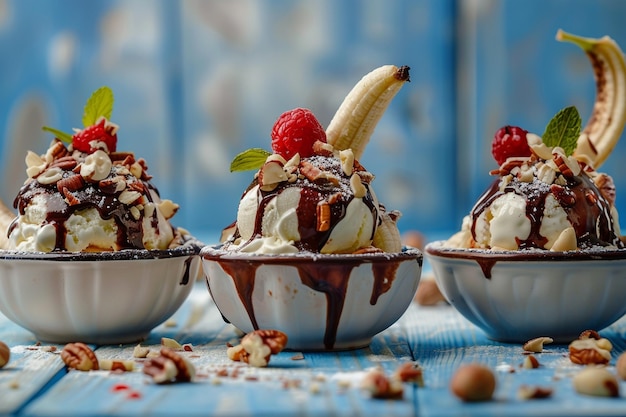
(505, 222)
(319, 204)
(68, 204)
(354, 231)
(280, 224)
(537, 203)
(31, 233)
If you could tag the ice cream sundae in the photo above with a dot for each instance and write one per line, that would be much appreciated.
(312, 252)
(312, 194)
(541, 253)
(84, 195)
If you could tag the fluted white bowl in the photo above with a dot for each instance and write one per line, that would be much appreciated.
(322, 302)
(101, 297)
(517, 296)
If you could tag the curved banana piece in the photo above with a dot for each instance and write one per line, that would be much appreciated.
(608, 117)
(355, 120)
(6, 217)
(387, 236)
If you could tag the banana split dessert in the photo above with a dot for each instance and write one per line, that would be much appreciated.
(83, 195)
(312, 194)
(92, 255)
(541, 252)
(548, 194)
(311, 241)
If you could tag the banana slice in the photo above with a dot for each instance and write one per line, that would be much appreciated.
(387, 236)
(355, 120)
(608, 117)
(6, 217)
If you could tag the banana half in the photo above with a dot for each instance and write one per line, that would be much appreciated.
(607, 120)
(6, 217)
(355, 120)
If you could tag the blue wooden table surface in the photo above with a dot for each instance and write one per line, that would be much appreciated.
(36, 383)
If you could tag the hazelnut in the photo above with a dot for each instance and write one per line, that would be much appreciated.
(5, 354)
(596, 381)
(473, 382)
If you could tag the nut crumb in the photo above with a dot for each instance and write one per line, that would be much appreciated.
(526, 392)
(536, 345)
(382, 387)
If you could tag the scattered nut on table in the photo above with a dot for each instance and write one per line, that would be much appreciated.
(171, 343)
(169, 367)
(428, 292)
(257, 347)
(473, 382)
(530, 362)
(410, 372)
(5, 354)
(140, 351)
(536, 345)
(382, 387)
(596, 381)
(590, 351)
(527, 392)
(116, 365)
(79, 356)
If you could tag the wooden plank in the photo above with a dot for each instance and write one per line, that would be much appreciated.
(309, 384)
(30, 367)
(442, 340)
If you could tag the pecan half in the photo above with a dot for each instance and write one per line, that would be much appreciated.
(590, 351)
(169, 367)
(79, 356)
(257, 347)
(72, 183)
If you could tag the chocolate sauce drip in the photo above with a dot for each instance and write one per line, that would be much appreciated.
(332, 280)
(185, 278)
(384, 274)
(243, 275)
(58, 210)
(587, 210)
(330, 277)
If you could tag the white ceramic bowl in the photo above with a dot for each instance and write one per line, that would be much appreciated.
(516, 296)
(101, 298)
(322, 302)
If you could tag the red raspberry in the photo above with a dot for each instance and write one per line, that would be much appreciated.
(509, 141)
(296, 131)
(99, 132)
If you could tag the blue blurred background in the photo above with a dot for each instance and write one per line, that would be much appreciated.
(198, 81)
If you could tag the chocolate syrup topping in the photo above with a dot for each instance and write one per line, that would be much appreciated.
(587, 210)
(59, 207)
(338, 195)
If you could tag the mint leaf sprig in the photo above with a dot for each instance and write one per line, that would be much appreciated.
(563, 130)
(249, 159)
(100, 103)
